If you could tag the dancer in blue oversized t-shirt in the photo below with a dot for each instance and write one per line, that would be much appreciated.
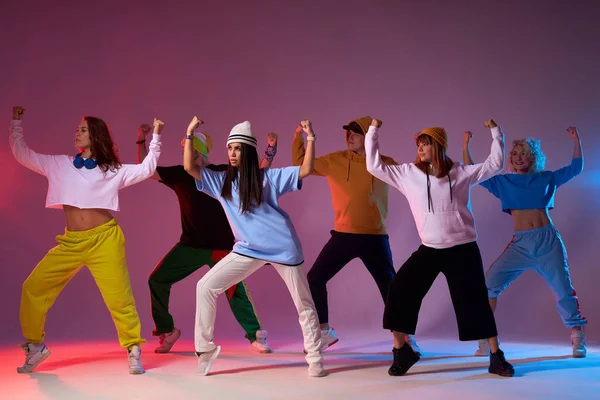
(250, 197)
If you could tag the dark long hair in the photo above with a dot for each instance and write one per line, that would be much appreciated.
(440, 161)
(103, 149)
(249, 182)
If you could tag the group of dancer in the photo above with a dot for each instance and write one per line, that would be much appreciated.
(239, 201)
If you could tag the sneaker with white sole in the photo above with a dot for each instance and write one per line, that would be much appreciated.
(34, 355)
(484, 348)
(412, 342)
(579, 343)
(135, 361)
(316, 370)
(205, 360)
(167, 340)
(328, 338)
(260, 345)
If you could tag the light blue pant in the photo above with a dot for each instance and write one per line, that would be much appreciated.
(543, 250)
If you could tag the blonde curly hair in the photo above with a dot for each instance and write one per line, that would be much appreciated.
(538, 159)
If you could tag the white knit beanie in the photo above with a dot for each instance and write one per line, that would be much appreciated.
(242, 133)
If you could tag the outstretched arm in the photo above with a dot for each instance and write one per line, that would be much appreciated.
(22, 153)
(189, 164)
(298, 153)
(467, 159)
(132, 174)
(565, 174)
(390, 174)
(270, 152)
(143, 131)
(574, 134)
(308, 164)
(495, 161)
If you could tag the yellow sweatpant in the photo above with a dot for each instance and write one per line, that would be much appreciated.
(102, 250)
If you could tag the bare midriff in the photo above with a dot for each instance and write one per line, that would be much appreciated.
(525, 220)
(83, 219)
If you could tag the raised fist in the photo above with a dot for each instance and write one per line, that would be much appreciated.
(307, 127)
(272, 139)
(18, 112)
(467, 135)
(573, 132)
(196, 122)
(158, 126)
(376, 123)
(490, 124)
(143, 131)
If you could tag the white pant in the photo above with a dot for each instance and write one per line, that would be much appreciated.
(235, 268)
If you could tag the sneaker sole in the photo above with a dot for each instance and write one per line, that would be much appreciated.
(326, 347)
(320, 375)
(211, 361)
(504, 375)
(136, 371)
(254, 349)
(29, 369)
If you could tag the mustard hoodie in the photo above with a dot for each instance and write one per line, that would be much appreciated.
(360, 201)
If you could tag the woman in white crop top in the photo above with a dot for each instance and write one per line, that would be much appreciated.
(437, 190)
(86, 187)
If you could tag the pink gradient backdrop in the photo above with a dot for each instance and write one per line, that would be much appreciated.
(532, 66)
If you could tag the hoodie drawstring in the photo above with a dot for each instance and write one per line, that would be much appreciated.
(429, 189)
(348, 174)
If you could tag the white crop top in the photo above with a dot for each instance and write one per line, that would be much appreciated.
(81, 188)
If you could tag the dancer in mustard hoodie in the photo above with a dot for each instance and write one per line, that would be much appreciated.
(360, 202)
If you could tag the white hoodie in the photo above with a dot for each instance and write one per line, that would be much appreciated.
(443, 216)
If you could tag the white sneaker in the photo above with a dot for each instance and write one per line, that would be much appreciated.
(579, 344)
(412, 342)
(135, 361)
(34, 355)
(328, 338)
(205, 360)
(484, 348)
(167, 340)
(316, 370)
(260, 344)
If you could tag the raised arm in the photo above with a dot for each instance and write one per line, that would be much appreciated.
(495, 161)
(132, 174)
(143, 131)
(22, 153)
(308, 164)
(574, 134)
(298, 152)
(390, 174)
(467, 159)
(270, 152)
(565, 174)
(189, 164)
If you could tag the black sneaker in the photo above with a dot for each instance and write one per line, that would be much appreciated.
(499, 365)
(404, 358)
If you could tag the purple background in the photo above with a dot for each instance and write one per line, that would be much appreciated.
(533, 66)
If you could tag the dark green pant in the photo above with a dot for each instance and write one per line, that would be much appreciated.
(179, 263)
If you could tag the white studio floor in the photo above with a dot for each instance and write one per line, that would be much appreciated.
(357, 370)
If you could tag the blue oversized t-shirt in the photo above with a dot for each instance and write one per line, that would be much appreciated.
(264, 232)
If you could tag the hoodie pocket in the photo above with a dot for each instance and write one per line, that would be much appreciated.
(442, 225)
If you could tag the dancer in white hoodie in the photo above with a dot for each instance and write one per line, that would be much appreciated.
(438, 192)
